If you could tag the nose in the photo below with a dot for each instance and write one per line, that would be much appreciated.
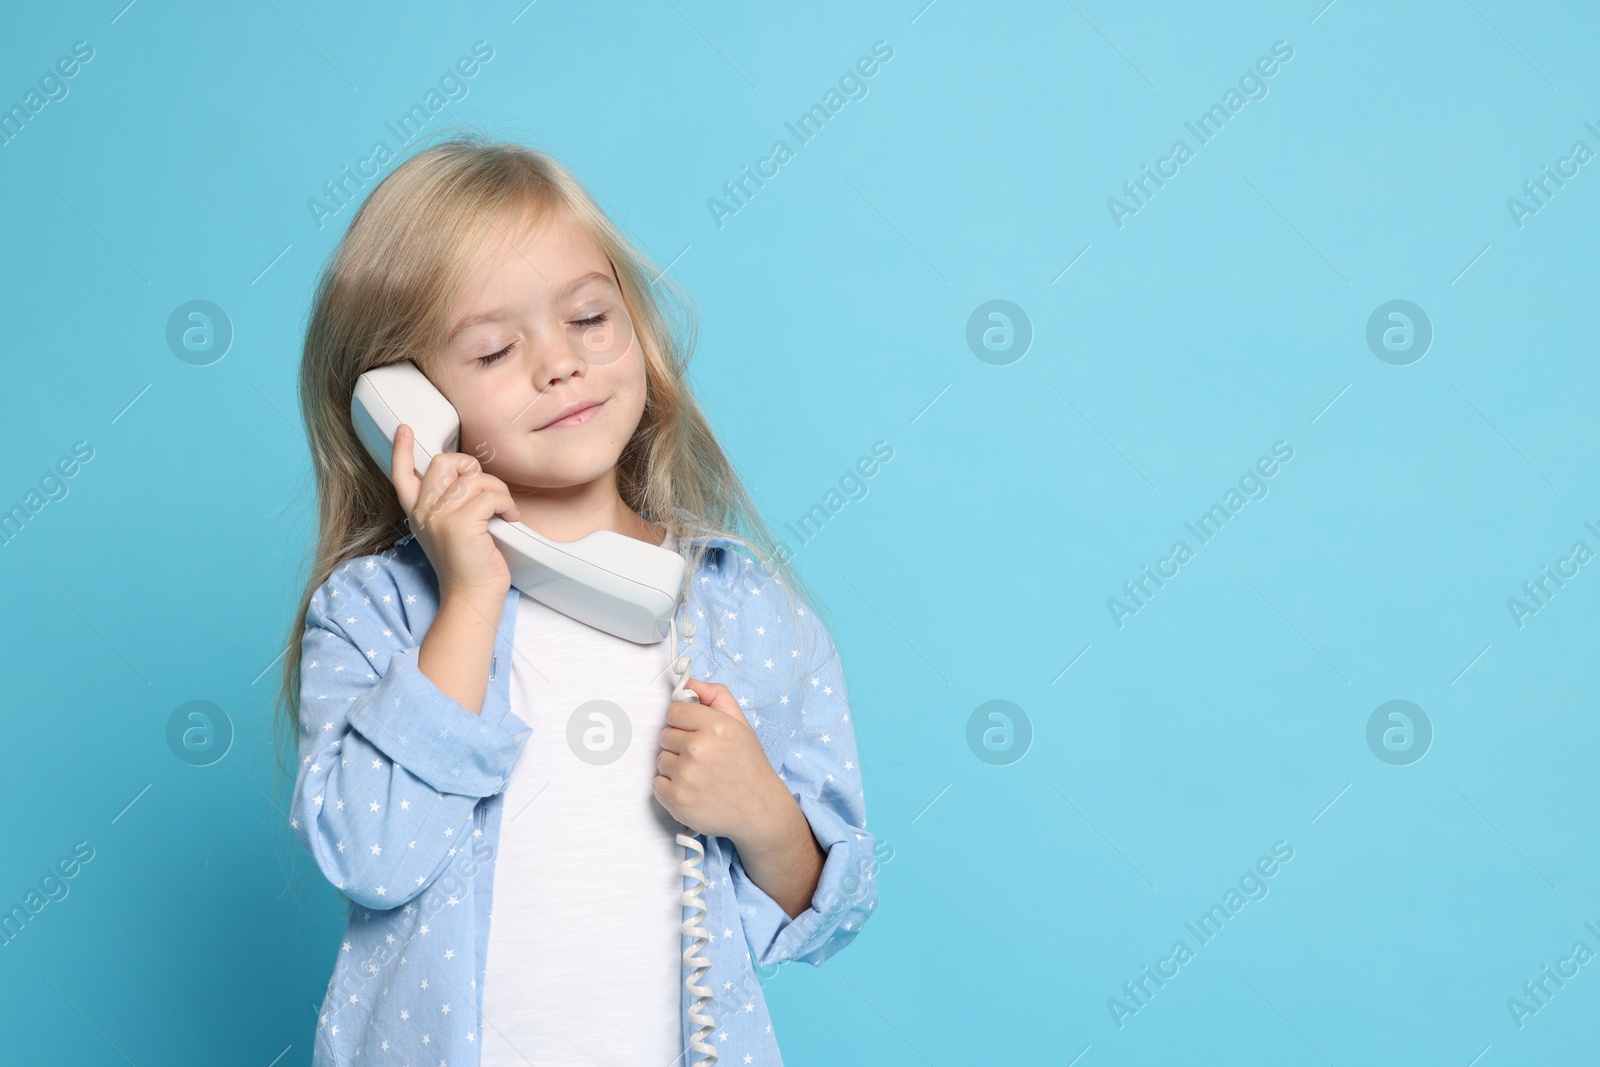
(554, 362)
(550, 363)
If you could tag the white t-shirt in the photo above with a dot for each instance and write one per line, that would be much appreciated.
(585, 945)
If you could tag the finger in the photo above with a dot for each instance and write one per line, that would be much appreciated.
(510, 512)
(402, 470)
(716, 695)
(688, 715)
(440, 483)
(447, 468)
(476, 498)
(674, 739)
(505, 505)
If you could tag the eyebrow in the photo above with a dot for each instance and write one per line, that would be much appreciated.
(501, 314)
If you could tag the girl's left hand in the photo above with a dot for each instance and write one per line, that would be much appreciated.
(714, 775)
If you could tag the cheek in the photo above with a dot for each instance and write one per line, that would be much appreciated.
(631, 381)
(630, 399)
(488, 423)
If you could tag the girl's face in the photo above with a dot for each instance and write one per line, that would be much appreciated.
(539, 332)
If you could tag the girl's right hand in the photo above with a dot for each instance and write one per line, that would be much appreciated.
(449, 508)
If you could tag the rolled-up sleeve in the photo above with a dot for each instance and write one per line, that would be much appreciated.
(823, 773)
(390, 767)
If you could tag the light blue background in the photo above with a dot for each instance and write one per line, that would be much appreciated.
(1228, 314)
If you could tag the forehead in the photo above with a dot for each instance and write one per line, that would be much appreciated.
(545, 250)
(539, 261)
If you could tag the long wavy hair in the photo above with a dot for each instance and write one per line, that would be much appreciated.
(385, 295)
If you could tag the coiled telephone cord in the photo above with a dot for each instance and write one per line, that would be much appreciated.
(698, 1011)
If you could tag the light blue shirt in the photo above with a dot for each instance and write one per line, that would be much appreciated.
(399, 796)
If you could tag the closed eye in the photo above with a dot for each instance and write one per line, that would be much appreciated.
(588, 323)
(484, 361)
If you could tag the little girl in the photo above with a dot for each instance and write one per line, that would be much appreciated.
(498, 788)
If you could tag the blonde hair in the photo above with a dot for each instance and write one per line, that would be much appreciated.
(385, 295)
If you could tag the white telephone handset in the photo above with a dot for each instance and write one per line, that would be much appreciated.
(610, 581)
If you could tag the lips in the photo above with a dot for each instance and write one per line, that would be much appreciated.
(574, 414)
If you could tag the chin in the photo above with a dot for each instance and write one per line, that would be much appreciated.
(563, 475)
